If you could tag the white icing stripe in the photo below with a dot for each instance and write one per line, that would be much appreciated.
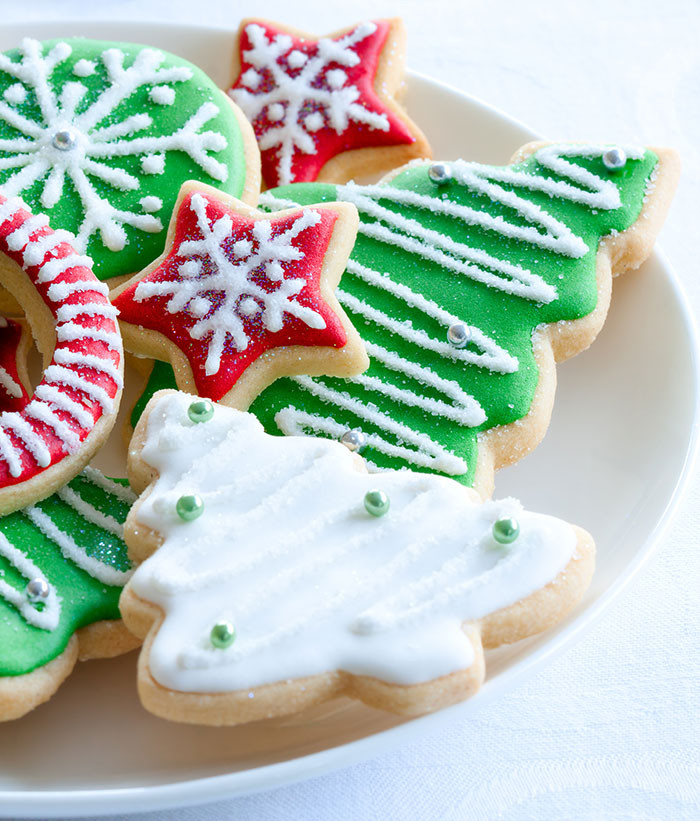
(70, 332)
(46, 618)
(383, 597)
(464, 409)
(20, 236)
(66, 313)
(493, 357)
(71, 550)
(37, 249)
(443, 250)
(122, 492)
(90, 513)
(9, 385)
(65, 376)
(56, 266)
(32, 441)
(63, 402)
(41, 411)
(86, 360)
(60, 291)
(10, 207)
(424, 451)
(10, 455)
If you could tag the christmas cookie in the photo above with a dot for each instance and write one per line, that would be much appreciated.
(467, 282)
(240, 298)
(63, 563)
(100, 136)
(277, 573)
(50, 439)
(15, 340)
(325, 109)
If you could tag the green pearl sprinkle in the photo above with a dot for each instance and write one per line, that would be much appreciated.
(189, 508)
(201, 410)
(222, 635)
(376, 502)
(506, 531)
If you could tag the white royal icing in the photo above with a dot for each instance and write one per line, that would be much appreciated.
(305, 95)
(286, 551)
(95, 146)
(232, 274)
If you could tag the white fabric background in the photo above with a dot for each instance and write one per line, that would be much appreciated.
(611, 729)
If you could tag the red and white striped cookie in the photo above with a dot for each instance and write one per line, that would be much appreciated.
(73, 408)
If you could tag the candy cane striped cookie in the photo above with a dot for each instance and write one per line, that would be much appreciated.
(74, 324)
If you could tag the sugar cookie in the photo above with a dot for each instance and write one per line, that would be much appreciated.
(277, 573)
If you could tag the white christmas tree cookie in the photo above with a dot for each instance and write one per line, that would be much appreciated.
(277, 573)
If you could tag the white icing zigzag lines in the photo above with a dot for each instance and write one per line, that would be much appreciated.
(37, 159)
(384, 225)
(411, 236)
(232, 277)
(87, 358)
(306, 101)
(46, 618)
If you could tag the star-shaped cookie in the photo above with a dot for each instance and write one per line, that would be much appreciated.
(325, 108)
(240, 298)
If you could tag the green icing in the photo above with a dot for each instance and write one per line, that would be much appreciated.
(83, 599)
(509, 320)
(160, 378)
(31, 110)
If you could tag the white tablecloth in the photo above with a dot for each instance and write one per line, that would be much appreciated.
(611, 729)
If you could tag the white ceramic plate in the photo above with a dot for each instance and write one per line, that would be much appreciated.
(616, 456)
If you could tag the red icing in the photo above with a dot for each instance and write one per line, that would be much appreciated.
(153, 314)
(43, 432)
(10, 338)
(328, 143)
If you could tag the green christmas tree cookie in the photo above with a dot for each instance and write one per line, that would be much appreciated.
(466, 282)
(100, 136)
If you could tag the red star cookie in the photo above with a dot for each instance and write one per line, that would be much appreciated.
(14, 346)
(239, 298)
(325, 109)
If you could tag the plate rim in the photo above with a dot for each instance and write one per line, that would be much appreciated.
(207, 789)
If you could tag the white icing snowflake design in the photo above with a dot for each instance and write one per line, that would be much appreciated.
(224, 294)
(307, 93)
(68, 144)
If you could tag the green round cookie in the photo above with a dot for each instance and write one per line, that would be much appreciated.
(100, 136)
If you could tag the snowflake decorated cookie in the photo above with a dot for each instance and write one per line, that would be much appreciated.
(325, 108)
(467, 282)
(63, 564)
(240, 298)
(277, 573)
(100, 136)
(47, 441)
(15, 340)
